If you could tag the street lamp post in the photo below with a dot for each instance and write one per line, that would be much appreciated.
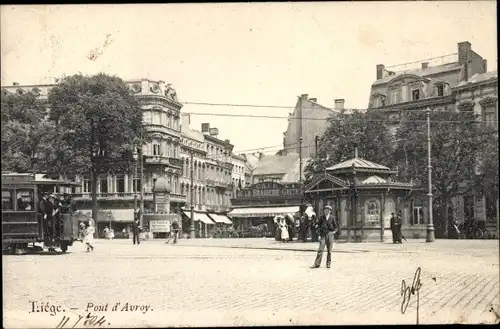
(191, 222)
(430, 225)
(134, 181)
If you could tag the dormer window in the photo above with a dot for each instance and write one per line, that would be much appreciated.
(415, 95)
(440, 90)
(395, 96)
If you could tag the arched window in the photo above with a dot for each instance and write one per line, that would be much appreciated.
(372, 212)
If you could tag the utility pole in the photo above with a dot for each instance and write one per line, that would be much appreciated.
(430, 225)
(93, 155)
(134, 180)
(141, 159)
(191, 222)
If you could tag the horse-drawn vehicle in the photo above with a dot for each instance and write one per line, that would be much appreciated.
(23, 223)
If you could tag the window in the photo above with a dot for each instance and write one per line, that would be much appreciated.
(418, 215)
(489, 116)
(87, 184)
(491, 209)
(415, 95)
(395, 96)
(7, 200)
(104, 184)
(146, 117)
(136, 184)
(120, 184)
(156, 148)
(156, 118)
(25, 200)
(440, 90)
(376, 101)
(372, 213)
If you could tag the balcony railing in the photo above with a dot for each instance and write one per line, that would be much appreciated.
(162, 160)
(126, 196)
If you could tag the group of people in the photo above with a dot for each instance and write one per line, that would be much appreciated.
(284, 228)
(51, 207)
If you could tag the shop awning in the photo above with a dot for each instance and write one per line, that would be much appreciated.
(113, 215)
(263, 212)
(199, 217)
(220, 218)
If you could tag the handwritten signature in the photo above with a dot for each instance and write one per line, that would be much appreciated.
(88, 321)
(406, 292)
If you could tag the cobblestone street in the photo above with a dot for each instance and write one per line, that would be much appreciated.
(209, 283)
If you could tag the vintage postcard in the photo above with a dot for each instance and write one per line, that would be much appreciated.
(249, 164)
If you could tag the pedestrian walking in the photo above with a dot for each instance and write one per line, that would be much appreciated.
(290, 226)
(327, 226)
(168, 232)
(89, 236)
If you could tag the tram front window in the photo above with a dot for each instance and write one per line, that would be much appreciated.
(7, 200)
(25, 200)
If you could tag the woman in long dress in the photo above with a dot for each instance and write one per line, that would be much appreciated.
(284, 230)
(89, 236)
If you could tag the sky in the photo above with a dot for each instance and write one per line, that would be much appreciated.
(260, 53)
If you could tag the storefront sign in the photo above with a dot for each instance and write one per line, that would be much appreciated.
(159, 225)
(270, 189)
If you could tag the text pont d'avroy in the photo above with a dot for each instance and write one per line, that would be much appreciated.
(118, 307)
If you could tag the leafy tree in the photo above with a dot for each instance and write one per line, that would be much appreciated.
(98, 124)
(488, 169)
(365, 130)
(26, 136)
(456, 139)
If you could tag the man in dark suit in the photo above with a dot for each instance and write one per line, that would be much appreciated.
(136, 228)
(393, 228)
(327, 226)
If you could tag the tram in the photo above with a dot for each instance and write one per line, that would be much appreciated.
(22, 221)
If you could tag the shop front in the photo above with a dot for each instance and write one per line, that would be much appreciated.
(117, 220)
(202, 223)
(260, 203)
(363, 195)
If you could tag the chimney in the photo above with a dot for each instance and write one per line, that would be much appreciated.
(304, 97)
(425, 65)
(339, 104)
(15, 83)
(205, 127)
(185, 120)
(260, 155)
(313, 100)
(227, 141)
(464, 49)
(485, 65)
(380, 71)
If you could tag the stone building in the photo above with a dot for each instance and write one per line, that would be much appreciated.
(210, 176)
(460, 82)
(309, 120)
(238, 174)
(479, 93)
(428, 86)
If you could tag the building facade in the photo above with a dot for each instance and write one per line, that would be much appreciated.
(167, 155)
(462, 83)
(394, 93)
(309, 121)
(480, 95)
(238, 173)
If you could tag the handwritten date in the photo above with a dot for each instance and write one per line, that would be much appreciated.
(87, 321)
(406, 291)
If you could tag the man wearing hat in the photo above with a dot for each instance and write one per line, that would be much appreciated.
(327, 226)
